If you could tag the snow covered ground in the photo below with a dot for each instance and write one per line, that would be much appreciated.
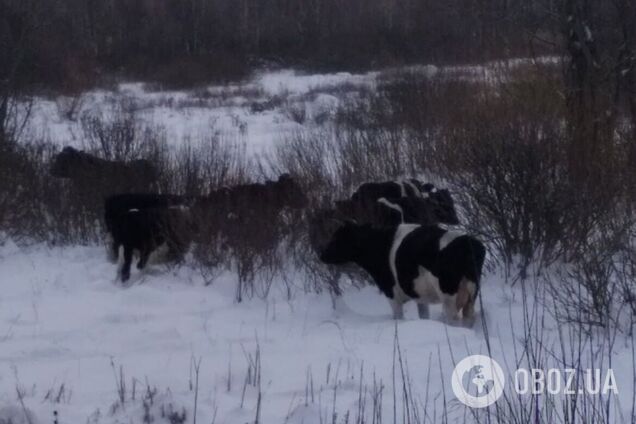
(69, 333)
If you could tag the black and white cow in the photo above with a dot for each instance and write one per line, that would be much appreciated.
(427, 264)
(116, 210)
(144, 230)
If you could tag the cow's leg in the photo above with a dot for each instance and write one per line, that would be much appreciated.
(113, 255)
(398, 310)
(125, 270)
(468, 313)
(176, 250)
(422, 310)
(144, 254)
(451, 312)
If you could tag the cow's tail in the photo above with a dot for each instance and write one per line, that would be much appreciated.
(469, 285)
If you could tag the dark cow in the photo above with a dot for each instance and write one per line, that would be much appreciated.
(116, 207)
(427, 264)
(271, 195)
(390, 189)
(412, 200)
(146, 229)
(383, 212)
(443, 206)
(322, 223)
(103, 175)
(246, 201)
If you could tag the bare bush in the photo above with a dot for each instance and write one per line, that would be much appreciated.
(69, 107)
(509, 160)
(296, 111)
(17, 174)
(334, 160)
(598, 289)
(199, 166)
(119, 134)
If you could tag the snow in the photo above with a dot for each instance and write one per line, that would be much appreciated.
(16, 415)
(64, 320)
(276, 83)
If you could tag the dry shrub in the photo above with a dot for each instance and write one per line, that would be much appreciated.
(598, 289)
(17, 174)
(509, 175)
(189, 72)
(198, 166)
(36, 207)
(119, 134)
(334, 160)
(509, 161)
(417, 100)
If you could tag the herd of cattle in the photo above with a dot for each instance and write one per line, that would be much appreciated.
(390, 229)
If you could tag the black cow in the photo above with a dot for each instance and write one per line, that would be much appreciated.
(116, 208)
(146, 229)
(427, 264)
(99, 174)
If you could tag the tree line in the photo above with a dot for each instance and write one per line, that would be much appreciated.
(71, 43)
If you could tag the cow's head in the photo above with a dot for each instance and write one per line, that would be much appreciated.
(345, 244)
(346, 207)
(289, 193)
(322, 224)
(424, 188)
(66, 162)
(444, 207)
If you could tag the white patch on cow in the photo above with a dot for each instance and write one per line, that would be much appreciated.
(402, 188)
(433, 190)
(426, 285)
(401, 232)
(133, 210)
(385, 202)
(448, 237)
(179, 207)
(416, 191)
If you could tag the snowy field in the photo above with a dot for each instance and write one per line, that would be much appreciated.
(259, 112)
(69, 333)
(75, 343)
